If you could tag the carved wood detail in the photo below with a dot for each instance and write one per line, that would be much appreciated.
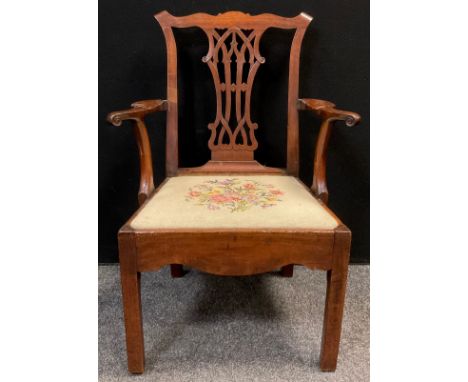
(232, 52)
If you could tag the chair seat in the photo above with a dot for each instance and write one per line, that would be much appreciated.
(234, 201)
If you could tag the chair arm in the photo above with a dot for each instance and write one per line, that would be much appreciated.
(137, 114)
(328, 114)
(138, 111)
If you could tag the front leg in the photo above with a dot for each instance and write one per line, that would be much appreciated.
(131, 296)
(335, 300)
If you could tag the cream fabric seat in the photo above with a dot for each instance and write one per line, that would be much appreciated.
(220, 201)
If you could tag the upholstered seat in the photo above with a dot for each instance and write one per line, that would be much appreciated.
(237, 201)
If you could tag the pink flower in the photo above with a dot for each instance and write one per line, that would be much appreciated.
(220, 198)
(276, 192)
(249, 186)
(194, 194)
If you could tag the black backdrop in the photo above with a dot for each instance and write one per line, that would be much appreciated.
(334, 67)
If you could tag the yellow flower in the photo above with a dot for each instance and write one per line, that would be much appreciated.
(215, 191)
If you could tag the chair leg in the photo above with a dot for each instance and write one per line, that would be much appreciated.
(131, 295)
(287, 270)
(177, 270)
(334, 303)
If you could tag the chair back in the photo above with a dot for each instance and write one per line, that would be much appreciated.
(233, 57)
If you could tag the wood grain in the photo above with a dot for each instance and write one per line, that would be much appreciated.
(233, 252)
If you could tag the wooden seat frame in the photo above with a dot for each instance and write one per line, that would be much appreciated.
(233, 251)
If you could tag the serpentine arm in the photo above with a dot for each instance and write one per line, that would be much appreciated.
(327, 112)
(137, 114)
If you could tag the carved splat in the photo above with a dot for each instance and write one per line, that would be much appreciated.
(233, 58)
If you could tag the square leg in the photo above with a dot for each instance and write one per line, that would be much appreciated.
(334, 302)
(131, 296)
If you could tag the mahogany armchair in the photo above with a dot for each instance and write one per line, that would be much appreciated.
(233, 216)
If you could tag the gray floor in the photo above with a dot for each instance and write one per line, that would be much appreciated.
(207, 328)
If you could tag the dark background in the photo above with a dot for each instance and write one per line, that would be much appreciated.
(334, 67)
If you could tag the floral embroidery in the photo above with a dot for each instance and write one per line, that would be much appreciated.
(234, 194)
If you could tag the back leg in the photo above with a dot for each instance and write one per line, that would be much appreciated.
(287, 270)
(177, 270)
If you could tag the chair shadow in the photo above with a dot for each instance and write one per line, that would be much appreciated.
(231, 319)
(236, 298)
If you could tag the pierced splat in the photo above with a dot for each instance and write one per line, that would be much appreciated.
(233, 59)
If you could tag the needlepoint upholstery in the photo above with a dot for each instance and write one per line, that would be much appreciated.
(233, 201)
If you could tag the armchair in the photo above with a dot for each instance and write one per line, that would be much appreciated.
(232, 215)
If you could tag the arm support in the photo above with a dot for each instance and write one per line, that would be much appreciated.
(328, 114)
(137, 113)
